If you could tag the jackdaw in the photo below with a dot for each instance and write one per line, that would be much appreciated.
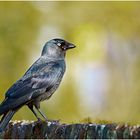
(39, 82)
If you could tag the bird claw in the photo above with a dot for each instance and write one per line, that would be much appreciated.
(46, 120)
(39, 120)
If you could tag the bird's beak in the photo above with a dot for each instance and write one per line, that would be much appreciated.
(70, 46)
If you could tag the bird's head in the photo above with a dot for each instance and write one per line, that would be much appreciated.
(56, 48)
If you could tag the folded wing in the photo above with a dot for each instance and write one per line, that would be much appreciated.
(27, 88)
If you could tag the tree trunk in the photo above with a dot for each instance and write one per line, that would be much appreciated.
(55, 130)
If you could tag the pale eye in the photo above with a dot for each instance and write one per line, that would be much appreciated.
(59, 44)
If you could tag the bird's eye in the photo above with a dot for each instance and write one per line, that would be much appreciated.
(61, 44)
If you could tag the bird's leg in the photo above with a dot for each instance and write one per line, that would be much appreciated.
(3, 116)
(42, 114)
(32, 109)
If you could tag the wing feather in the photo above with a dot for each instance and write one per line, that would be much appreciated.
(22, 91)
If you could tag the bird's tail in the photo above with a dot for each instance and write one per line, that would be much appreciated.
(5, 120)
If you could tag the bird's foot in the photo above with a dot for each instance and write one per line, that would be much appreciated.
(46, 120)
(39, 120)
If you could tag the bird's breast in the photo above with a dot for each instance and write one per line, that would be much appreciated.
(47, 92)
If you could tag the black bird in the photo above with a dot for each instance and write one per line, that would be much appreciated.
(38, 83)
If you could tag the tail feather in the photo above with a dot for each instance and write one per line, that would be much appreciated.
(5, 120)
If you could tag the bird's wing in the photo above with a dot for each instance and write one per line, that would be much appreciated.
(21, 92)
(44, 78)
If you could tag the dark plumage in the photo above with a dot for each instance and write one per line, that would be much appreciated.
(38, 83)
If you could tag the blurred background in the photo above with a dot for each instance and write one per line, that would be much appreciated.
(102, 80)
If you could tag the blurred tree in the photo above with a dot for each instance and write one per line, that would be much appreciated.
(19, 23)
(105, 32)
